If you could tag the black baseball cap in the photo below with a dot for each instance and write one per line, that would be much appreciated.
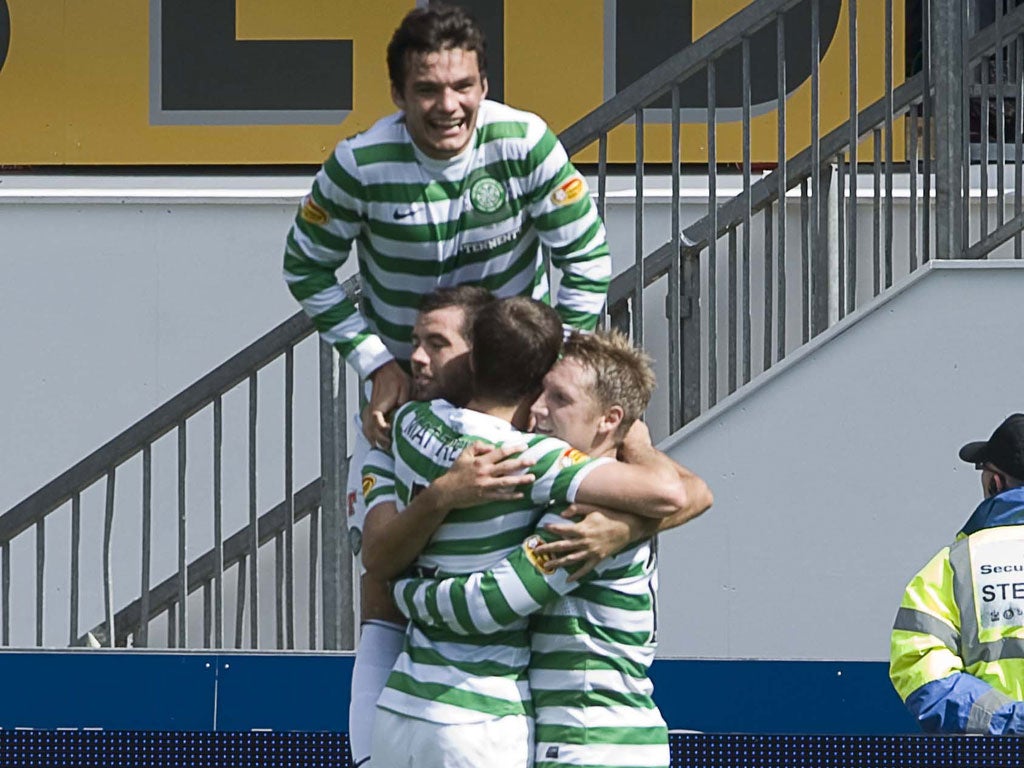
(1005, 449)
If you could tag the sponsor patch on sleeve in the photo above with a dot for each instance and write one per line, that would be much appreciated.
(569, 191)
(540, 562)
(312, 212)
(571, 456)
(368, 482)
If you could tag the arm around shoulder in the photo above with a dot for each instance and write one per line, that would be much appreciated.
(646, 482)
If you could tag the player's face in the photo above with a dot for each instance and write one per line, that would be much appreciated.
(566, 408)
(440, 98)
(440, 356)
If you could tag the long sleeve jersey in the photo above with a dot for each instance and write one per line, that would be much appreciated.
(443, 676)
(422, 223)
(592, 643)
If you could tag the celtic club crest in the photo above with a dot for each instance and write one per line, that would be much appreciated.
(487, 195)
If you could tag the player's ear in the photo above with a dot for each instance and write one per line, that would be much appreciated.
(611, 419)
(483, 83)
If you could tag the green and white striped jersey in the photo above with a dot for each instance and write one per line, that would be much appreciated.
(442, 675)
(592, 644)
(423, 223)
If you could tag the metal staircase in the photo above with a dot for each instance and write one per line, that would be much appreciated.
(808, 239)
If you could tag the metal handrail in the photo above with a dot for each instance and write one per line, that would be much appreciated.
(202, 570)
(676, 68)
(155, 425)
(765, 191)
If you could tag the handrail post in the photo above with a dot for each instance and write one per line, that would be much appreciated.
(947, 76)
(336, 563)
(690, 378)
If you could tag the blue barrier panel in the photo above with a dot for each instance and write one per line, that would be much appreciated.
(195, 691)
(107, 689)
(149, 690)
(283, 692)
(752, 696)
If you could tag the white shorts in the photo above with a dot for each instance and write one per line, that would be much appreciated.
(405, 742)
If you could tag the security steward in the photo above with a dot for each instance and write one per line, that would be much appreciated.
(957, 646)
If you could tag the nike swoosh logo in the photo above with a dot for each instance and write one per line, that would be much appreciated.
(404, 214)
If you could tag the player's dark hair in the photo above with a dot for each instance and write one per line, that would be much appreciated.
(435, 28)
(516, 341)
(471, 299)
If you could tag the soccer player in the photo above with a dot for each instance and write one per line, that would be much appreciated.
(451, 189)
(448, 701)
(592, 647)
(440, 368)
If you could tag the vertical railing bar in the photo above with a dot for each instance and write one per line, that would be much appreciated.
(769, 273)
(207, 613)
(818, 253)
(254, 536)
(142, 633)
(638, 232)
(1001, 122)
(876, 212)
(965, 137)
(926, 148)
(76, 541)
(5, 577)
(602, 195)
(733, 331)
(912, 163)
(314, 570)
(805, 266)
(851, 221)
(1018, 144)
(279, 590)
(984, 147)
(675, 383)
(40, 578)
(108, 578)
(289, 495)
(182, 538)
(841, 233)
(336, 566)
(172, 624)
(218, 523)
(240, 602)
(747, 213)
(780, 84)
(888, 143)
(712, 75)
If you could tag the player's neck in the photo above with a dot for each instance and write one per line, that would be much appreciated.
(516, 414)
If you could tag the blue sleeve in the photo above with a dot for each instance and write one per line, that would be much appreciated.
(961, 703)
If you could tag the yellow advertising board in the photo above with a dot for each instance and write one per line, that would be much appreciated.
(273, 82)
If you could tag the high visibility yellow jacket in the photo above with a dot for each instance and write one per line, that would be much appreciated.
(957, 646)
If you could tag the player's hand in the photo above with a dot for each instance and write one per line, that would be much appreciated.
(484, 473)
(391, 387)
(636, 441)
(585, 543)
